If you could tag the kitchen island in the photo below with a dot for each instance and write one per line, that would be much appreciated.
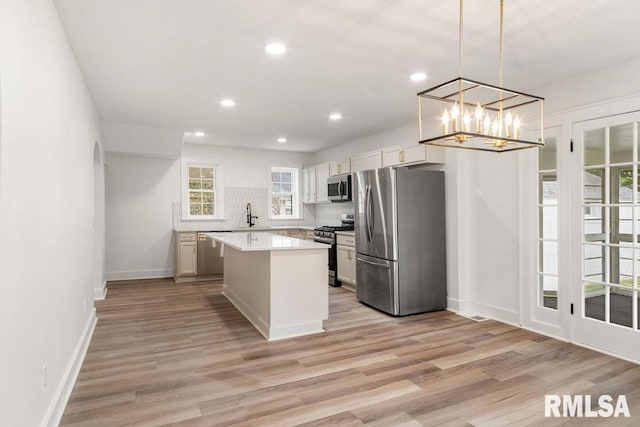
(278, 283)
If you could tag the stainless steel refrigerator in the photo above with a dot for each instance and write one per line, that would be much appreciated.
(400, 240)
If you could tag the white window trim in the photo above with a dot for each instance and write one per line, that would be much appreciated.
(218, 189)
(297, 205)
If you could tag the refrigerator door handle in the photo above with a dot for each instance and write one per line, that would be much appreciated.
(370, 214)
(379, 264)
(367, 197)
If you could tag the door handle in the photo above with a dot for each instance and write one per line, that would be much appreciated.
(379, 264)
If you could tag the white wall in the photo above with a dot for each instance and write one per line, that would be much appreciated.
(48, 218)
(139, 193)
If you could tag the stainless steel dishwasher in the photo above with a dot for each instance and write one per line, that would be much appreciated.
(210, 257)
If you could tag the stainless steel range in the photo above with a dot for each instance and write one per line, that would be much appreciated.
(327, 234)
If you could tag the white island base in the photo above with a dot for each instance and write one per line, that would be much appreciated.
(282, 292)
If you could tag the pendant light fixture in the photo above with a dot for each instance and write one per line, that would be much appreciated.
(469, 114)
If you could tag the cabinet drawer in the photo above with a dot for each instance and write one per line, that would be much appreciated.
(187, 237)
(345, 240)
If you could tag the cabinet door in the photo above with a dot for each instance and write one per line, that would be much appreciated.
(321, 175)
(187, 257)
(340, 167)
(391, 156)
(343, 263)
(309, 184)
(414, 153)
(366, 162)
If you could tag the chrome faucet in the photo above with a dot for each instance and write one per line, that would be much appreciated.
(250, 217)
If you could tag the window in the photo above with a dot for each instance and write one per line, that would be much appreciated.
(548, 225)
(201, 191)
(284, 198)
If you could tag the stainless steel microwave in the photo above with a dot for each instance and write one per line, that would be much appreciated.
(339, 188)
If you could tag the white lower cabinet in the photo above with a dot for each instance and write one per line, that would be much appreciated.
(346, 258)
(186, 255)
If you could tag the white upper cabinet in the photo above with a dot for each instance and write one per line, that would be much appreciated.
(322, 173)
(340, 167)
(314, 183)
(406, 154)
(309, 184)
(367, 161)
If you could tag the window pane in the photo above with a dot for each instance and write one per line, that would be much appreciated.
(207, 198)
(625, 186)
(207, 184)
(286, 176)
(620, 307)
(548, 222)
(549, 257)
(194, 172)
(276, 188)
(548, 189)
(594, 147)
(621, 265)
(194, 184)
(594, 300)
(594, 263)
(548, 291)
(621, 143)
(625, 220)
(207, 173)
(195, 209)
(594, 186)
(286, 188)
(195, 197)
(275, 177)
(593, 223)
(547, 154)
(207, 209)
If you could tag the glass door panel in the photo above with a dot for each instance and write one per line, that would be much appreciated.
(607, 314)
(548, 225)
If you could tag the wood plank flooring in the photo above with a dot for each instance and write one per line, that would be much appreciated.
(182, 355)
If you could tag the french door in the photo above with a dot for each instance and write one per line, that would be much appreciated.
(605, 266)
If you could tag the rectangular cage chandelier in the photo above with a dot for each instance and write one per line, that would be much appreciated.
(469, 114)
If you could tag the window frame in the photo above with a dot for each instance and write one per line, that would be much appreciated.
(218, 189)
(295, 191)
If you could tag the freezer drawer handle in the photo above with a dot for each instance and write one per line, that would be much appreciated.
(380, 264)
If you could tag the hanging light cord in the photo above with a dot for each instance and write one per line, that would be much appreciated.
(501, 40)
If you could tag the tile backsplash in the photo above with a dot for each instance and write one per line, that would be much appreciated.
(329, 213)
(235, 212)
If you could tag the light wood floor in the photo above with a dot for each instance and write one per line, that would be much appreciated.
(181, 354)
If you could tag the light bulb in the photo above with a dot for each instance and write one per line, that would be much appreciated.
(487, 123)
(494, 127)
(445, 122)
(466, 120)
(478, 112)
(445, 116)
(508, 119)
(455, 111)
(516, 127)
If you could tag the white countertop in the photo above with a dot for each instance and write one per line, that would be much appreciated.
(262, 241)
(200, 228)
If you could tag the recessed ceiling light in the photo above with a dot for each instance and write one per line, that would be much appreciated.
(275, 48)
(335, 116)
(227, 102)
(281, 140)
(417, 77)
(199, 133)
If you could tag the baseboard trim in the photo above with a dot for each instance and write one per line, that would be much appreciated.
(471, 308)
(100, 293)
(257, 321)
(139, 274)
(56, 408)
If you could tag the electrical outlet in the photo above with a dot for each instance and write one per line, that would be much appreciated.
(44, 376)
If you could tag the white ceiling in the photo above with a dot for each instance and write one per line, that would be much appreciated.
(167, 63)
